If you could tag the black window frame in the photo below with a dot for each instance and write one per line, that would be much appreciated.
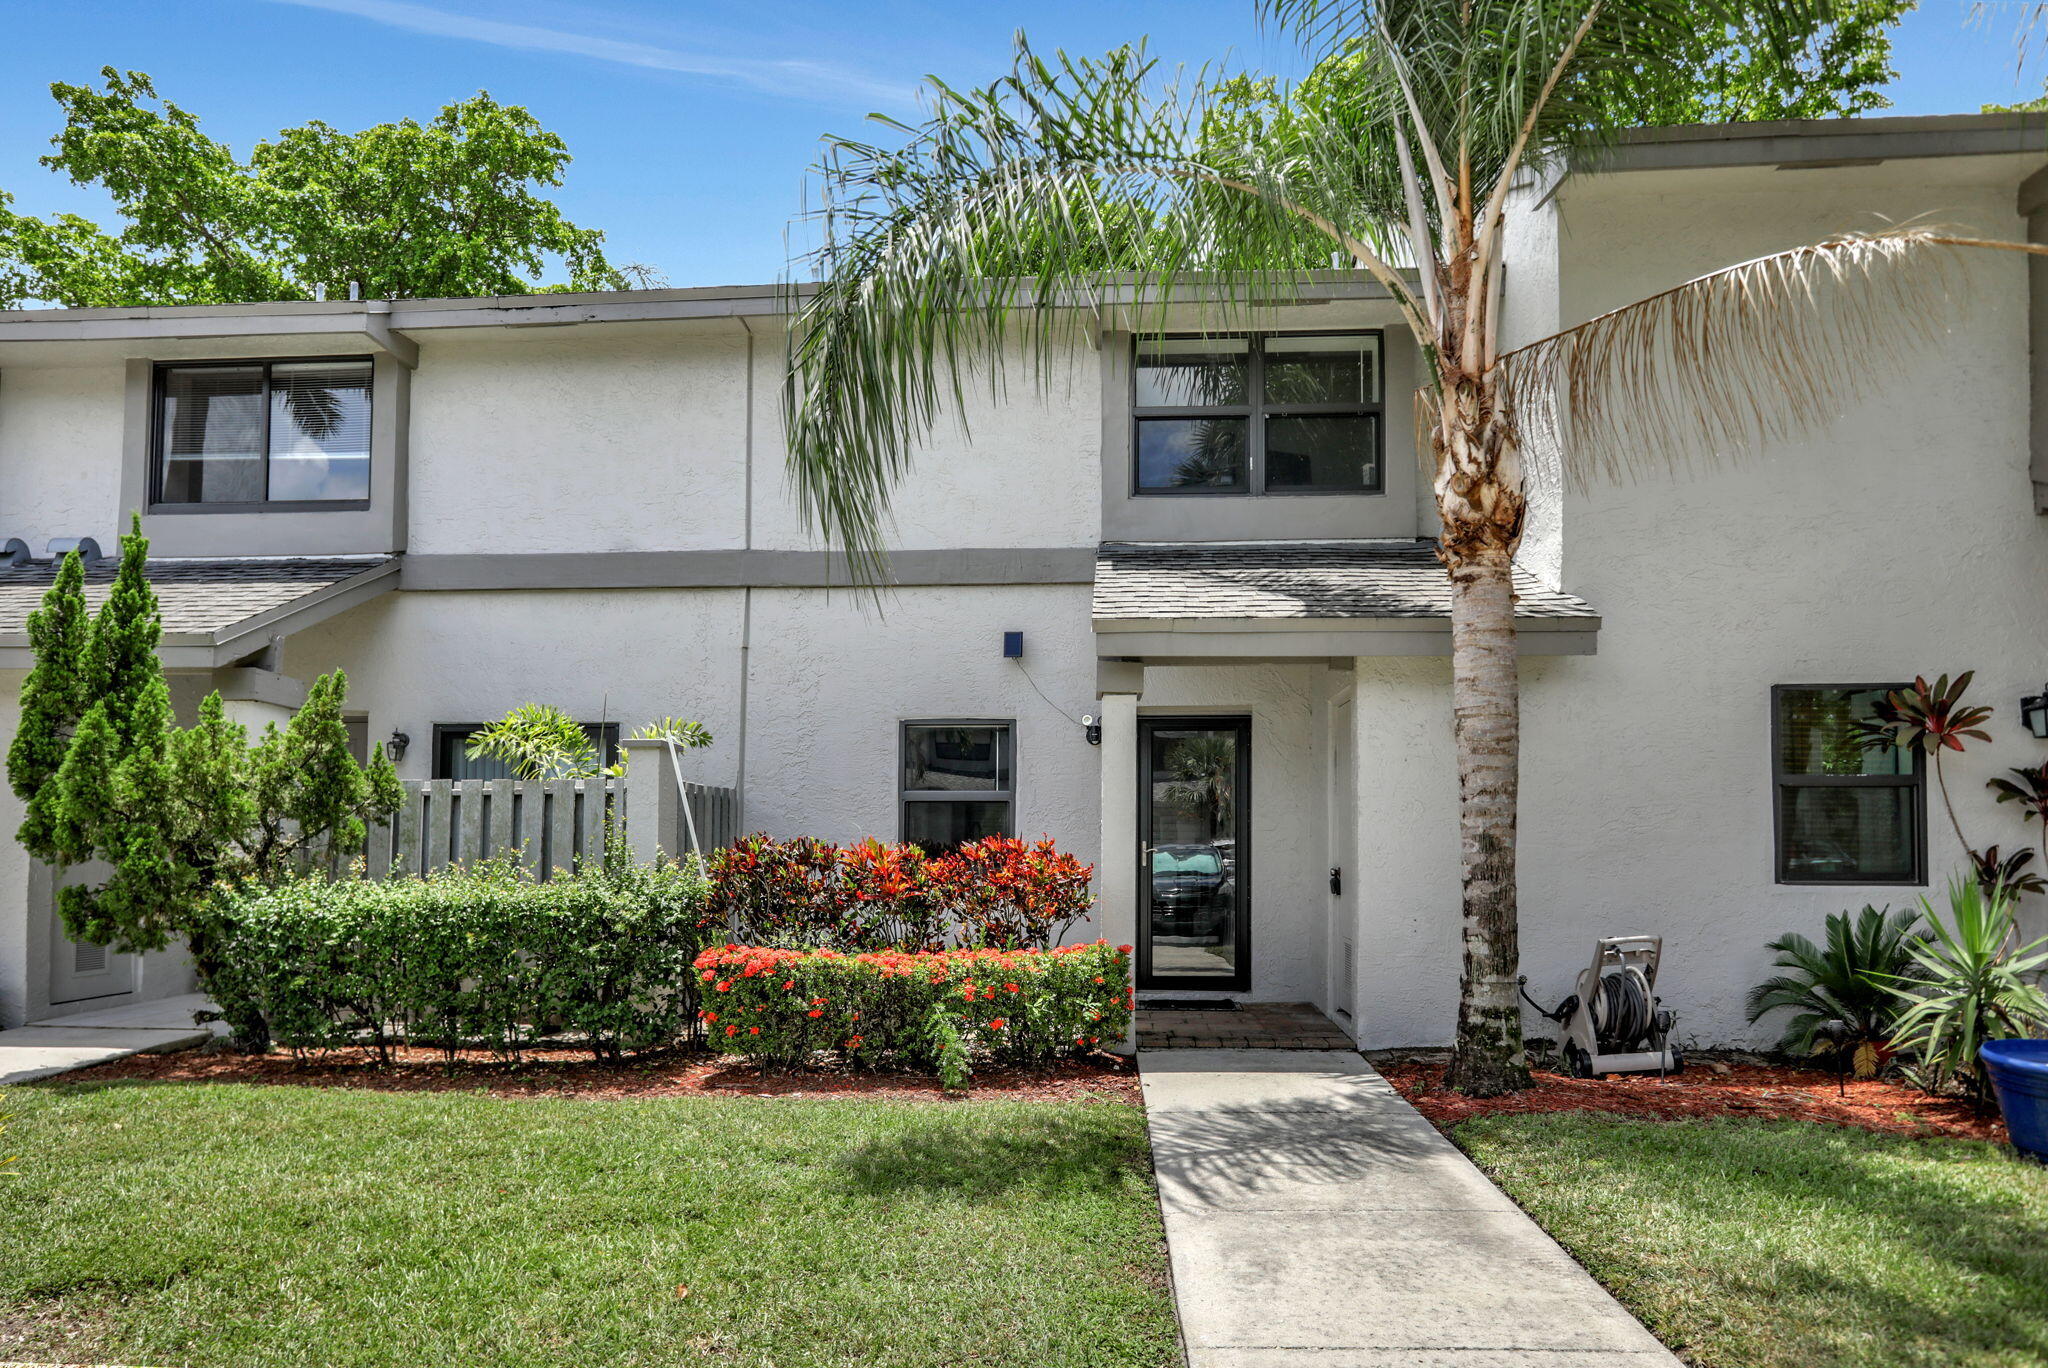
(157, 503)
(1915, 783)
(905, 795)
(452, 733)
(1257, 411)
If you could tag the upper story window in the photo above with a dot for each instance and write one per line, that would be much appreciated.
(260, 434)
(1845, 815)
(1273, 414)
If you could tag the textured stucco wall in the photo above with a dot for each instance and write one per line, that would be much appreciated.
(14, 863)
(624, 438)
(1895, 538)
(60, 453)
(1020, 471)
(633, 655)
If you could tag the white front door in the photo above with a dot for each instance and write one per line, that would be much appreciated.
(80, 973)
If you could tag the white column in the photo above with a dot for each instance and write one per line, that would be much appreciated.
(1116, 872)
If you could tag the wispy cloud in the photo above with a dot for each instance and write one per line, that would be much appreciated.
(818, 82)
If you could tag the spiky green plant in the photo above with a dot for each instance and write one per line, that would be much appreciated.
(538, 741)
(1847, 979)
(1970, 981)
(1002, 224)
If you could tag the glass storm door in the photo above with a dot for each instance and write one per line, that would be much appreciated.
(1194, 871)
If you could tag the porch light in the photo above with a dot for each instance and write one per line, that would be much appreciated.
(2034, 713)
(394, 749)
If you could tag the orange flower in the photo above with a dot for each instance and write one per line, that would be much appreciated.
(997, 1024)
(753, 1030)
(732, 1030)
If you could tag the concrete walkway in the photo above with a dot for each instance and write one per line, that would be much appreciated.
(1315, 1220)
(64, 1043)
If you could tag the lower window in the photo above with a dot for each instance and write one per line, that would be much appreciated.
(1844, 814)
(958, 783)
(451, 742)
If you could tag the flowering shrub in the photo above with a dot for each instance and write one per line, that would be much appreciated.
(1002, 892)
(804, 893)
(930, 1009)
(484, 955)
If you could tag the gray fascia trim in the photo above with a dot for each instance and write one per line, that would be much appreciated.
(1817, 142)
(385, 322)
(742, 569)
(238, 639)
(1192, 639)
(1194, 647)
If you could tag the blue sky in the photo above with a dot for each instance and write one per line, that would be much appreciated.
(691, 123)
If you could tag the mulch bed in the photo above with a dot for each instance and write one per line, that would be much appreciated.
(1764, 1092)
(572, 1073)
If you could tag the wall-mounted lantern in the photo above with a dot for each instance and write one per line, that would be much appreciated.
(394, 749)
(2034, 713)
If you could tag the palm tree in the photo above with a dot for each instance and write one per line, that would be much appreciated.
(986, 227)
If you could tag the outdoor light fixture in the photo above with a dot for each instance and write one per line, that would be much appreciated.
(394, 749)
(2034, 713)
(1091, 729)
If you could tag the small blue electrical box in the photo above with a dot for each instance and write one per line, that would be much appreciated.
(1013, 645)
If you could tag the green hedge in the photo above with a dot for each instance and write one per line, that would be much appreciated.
(935, 1010)
(483, 956)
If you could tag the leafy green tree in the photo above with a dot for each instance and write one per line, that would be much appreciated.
(402, 210)
(52, 698)
(175, 813)
(978, 233)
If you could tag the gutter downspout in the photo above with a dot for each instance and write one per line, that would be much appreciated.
(2033, 206)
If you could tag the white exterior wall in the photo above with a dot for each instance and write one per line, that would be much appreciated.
(627, 437)
(60, 453)
(1897, 539)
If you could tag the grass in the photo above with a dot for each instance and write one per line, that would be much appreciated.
(1751, 1244)
(222, 1226)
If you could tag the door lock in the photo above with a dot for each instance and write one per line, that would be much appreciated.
(1336, 880)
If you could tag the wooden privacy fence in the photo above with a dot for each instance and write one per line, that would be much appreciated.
(552, 823)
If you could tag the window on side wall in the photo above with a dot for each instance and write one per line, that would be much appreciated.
(451, 741)
(1844, 815)
(1272, 414)
(252, 435)
(958, 783)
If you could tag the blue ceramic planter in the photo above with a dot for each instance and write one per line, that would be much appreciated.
(2019, 1075)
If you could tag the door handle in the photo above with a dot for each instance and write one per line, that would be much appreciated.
(1336, 879)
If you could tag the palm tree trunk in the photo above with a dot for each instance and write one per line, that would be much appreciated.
(1489, 1058)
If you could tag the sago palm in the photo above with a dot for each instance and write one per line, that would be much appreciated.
(1847, 980)
(997, 223)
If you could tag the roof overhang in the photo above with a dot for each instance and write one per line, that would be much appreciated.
(1817, 143)
(1192, 641)
(243, 637)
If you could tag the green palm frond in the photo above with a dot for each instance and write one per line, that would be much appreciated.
(1845, 980)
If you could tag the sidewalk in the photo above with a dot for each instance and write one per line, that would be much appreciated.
(1315, 1220)
(74, 1042)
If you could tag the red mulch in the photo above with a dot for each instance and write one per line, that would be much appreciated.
(572, 1073)
(1763, 1092)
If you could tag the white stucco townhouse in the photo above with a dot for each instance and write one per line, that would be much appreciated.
(1215, 544)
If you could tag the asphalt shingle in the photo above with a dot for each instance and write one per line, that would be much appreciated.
(195, 596)
(1293, 580)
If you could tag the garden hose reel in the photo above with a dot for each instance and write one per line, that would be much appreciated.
(1614, 1022)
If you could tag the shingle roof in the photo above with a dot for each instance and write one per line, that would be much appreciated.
(196, 597)
(1293, 580)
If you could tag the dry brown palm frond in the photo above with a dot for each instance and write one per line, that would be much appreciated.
(1757, 352)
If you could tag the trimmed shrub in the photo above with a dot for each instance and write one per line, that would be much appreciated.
(806, 893)
(480, 956)
(933, 1010)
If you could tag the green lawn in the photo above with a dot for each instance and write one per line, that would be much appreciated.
(1748, 1244)
(218, 1226)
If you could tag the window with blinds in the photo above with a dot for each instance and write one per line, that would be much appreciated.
(255, 434)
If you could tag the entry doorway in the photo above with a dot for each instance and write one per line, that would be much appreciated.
(1194, 865)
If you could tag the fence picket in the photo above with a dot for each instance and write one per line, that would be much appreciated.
(552, 823)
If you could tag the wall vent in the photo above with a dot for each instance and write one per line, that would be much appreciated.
(88, 959)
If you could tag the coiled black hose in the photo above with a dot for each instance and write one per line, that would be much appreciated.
(1622, 1012)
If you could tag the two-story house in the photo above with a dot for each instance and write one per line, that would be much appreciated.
(1175, 604)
